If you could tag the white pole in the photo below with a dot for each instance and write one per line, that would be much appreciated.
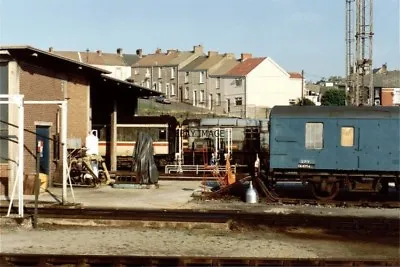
(64, 113)
(21, 156)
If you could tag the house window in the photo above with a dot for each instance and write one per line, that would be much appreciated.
(186, 77)
(217, 83)
(347, 136)
(167, 89)
(238, 101)
(292, 101)
(155, 86)
(218, 100)
(314, 135)
(210, 101)
(172, 89)
(238, 82)
(201, 77)
(148, 84)
(160, 86)
(228, 105)
(201, 96)
(136, 71)
(186, 95)
(172, 73)
(147, 72)
(159, 73)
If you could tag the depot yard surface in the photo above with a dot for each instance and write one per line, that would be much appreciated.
(178, 195)
(163, 240)
(293, 242)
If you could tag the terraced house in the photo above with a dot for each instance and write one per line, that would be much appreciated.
(118, 64)
(159, 71)
(196, 78)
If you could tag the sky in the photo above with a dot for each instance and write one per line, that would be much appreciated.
(299, 35)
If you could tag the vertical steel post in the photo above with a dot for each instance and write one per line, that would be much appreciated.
(20, 101)
(64, 120)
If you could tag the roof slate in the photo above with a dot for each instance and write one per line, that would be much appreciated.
(226, 66)
(93, 58)
(245, 67)
(204, 63)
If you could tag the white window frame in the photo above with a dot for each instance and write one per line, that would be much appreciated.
(201, 96)
(186, 93)
(218, 83)
(160, 86)
(218, 99)
(187, 77)
(314, 135)
(172, 89)
(167, 89)
(201, 80)
(172, 73)
(159, 73)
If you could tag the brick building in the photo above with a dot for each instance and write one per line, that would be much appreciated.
(44, 76)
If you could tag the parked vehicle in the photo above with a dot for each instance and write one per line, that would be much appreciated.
(163, 100)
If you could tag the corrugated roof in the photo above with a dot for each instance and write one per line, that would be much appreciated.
(245, 67)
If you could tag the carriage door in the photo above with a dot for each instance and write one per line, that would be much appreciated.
(347, 143)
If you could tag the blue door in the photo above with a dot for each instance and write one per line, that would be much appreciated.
(347, 145)
(43, 134)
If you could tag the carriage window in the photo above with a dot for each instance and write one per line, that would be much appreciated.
(162, 135)
(314, 135)
(347, 136)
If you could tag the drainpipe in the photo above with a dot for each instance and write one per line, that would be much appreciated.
(245, 97)
(177, 93)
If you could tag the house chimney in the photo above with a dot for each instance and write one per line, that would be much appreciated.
(98, 52)
(51, 49)
(212, 53)
(158, 51)
(119, 52)
(139, 52)
(170, 51)
(245, 56)
(229, 55)
(198, 49)
(384, 67)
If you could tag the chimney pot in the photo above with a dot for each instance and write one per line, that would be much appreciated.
(212, 53)
(119, 51)
(158, 51)
(245, 56)
(198, 49)
(99, 52)
(51, 49)
(139, 52)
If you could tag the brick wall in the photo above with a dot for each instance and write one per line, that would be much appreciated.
(43, 84)
(3, 179)
(78, 109)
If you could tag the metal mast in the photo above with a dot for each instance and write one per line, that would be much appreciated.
(350, 38)
(364, 34)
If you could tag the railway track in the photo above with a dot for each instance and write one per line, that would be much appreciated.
(236, 219)
(102, 260)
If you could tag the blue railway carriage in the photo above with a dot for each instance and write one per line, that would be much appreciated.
(356, 148)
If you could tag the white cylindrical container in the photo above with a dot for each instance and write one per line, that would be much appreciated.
(92, 143)
(95, 167)
(251, 194)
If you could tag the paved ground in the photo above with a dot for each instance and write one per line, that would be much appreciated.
(178, 195)
(293, 242)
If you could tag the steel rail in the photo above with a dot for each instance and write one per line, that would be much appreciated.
(342, 222)
(128, 260)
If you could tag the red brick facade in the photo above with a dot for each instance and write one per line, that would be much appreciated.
(40, 84)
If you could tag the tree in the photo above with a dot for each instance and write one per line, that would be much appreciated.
(334, 97)
(304, 102)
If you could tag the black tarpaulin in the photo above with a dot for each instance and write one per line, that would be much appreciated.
(145, 167)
